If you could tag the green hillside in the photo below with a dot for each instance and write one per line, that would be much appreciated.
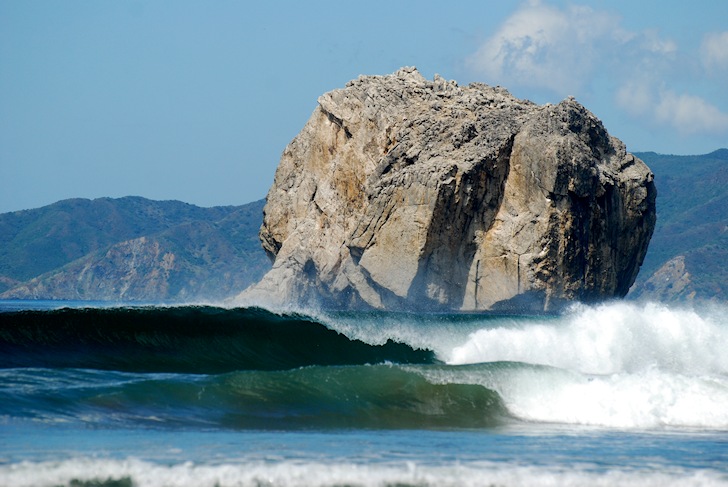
(36, 241)
(130, 248)
(691, 234)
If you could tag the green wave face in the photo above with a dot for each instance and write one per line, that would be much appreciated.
(185, 340)
(377, 396)
(358, 397)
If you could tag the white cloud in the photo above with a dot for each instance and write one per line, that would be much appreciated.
(714, 51)
(690, 114)
(572, 50)
(636, 97)
(687, 114)
(652, 42)
(545, 47)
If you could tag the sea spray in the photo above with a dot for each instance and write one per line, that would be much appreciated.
(619, 365)
(646, 400)
(608, 339)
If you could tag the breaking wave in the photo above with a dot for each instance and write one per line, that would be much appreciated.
(616, 365)
(187, 339)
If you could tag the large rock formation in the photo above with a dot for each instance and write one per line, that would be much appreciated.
(404, 193)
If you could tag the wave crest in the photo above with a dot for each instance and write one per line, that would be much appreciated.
(608, 339)
(187, 339)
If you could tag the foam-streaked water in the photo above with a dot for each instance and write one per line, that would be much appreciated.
(614, 394)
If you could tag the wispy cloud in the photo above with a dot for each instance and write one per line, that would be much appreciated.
(544, 47)
(690, 114)
(687, 114)
(714, 51)
(636, 96)
(566, 50)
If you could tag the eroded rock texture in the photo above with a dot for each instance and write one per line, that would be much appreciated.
(404, 193)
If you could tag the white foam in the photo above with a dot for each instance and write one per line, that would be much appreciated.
(312, 474)
(439, 333)
(647, 399)
(619, 365)
(608, 339)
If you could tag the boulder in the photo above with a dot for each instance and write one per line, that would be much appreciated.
(409, 194)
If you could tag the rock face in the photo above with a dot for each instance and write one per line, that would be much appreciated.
(404, 193)
(671, 282)
(135, 269)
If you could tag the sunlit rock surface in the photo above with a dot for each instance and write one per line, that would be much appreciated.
(405, 193)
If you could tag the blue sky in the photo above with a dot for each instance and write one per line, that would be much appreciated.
(196, 100)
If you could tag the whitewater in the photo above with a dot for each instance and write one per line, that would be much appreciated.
(621, 365)
(619, 393)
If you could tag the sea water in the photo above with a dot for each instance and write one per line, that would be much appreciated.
(611, 394)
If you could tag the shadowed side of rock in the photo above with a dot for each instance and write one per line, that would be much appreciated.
(404, 193)
(577, 216)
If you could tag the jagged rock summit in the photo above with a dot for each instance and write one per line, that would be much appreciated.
(405, 193)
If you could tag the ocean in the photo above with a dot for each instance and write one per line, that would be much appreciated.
(615, 394)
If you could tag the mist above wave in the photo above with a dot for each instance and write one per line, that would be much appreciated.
(608, 339)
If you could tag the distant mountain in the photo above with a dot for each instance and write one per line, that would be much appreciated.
(134, 249)
(130, 249)
(688, 254)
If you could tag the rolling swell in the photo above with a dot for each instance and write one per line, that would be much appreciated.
(368, 396)
(188, 339)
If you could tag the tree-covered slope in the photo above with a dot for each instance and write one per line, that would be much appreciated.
(130, 249)
(36, 241)
(688, 253)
